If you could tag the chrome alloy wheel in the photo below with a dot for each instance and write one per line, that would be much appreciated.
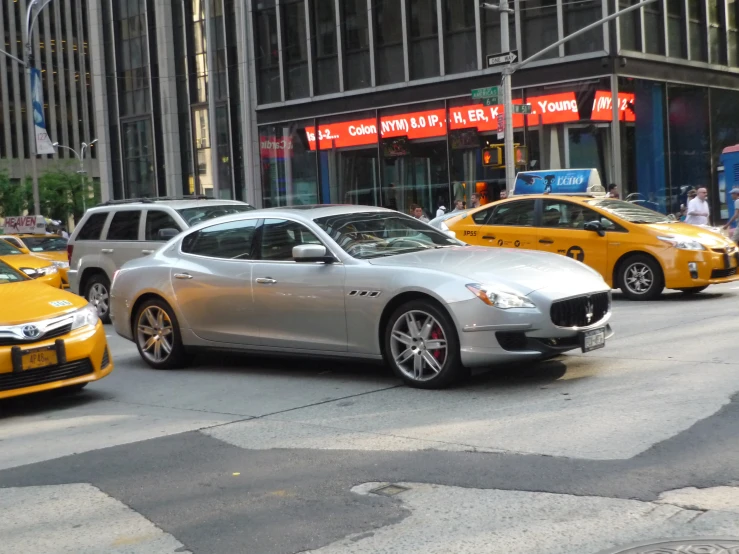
(155, 334)
(418, 345)
(638, 278)
(98, 297)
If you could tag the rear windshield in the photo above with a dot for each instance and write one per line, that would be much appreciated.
(7, 249)
(46, 244)
(193, 216)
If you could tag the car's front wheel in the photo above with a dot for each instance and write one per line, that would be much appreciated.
(422, 347)
(97, 293)
(158, 335)
(641, 278)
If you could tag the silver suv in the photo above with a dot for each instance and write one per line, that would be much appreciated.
(113, 233)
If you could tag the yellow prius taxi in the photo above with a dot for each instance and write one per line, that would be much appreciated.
(47, 247)
(635, 249)
(49, 338)
(39, 269)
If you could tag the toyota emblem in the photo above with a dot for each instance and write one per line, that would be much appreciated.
(31, 331)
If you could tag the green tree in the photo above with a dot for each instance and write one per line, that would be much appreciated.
(60, 195)
(14, 197)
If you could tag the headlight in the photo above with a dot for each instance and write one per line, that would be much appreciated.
(499, 298)
(85, 316)
(32, 273)
(682, 243)
(447, 231)
(61, 265)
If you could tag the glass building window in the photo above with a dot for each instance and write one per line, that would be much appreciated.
(578, 15)
(388, 24)
(288, 161)
(491, 43)
(355, 43)
(423, 39)
(138, 153)
(716, 50)
(133, 59)
(675, 29)
(325, 50)
(267, 52)
(630, 27)
(654, 26)
(732, 22)
(697, 30)
(539, 24)
(460, 40)
(295, 50)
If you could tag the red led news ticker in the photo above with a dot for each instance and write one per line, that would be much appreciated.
(546, 110)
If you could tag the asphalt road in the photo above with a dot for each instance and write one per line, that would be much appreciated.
(582, 454)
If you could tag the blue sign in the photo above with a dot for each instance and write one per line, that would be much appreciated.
(43, 142)
(558, 181)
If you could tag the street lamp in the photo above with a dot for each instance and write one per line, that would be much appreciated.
(81, 171)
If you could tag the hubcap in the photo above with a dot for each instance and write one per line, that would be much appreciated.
(418, 345)
(155, 334)
(638, 278)
(98, 297)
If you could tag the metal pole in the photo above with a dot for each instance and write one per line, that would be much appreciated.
(12, 57)
(510, 162)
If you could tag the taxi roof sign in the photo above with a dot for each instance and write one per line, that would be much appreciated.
(559, 181)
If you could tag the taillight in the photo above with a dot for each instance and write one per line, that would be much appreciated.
(70, 249)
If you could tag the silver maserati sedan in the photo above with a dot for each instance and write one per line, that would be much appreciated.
(356, 282)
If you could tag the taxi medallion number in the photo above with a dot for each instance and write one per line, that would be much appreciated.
(41, 357)
(593, 339)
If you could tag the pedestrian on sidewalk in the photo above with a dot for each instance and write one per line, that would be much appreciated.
(734, 218)
(699, 212)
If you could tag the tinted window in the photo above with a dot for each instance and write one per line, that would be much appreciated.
(231, 240)
(93, 227)
(124, 226)
(566, 215)
(279, 236)
(156, 220)
(482, 216)
(519, 214)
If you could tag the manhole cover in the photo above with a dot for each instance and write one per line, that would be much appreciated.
(688, 546)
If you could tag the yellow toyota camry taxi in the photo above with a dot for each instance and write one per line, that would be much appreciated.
(635, 249)
(49, 338)
(47, 247)
(32, 266)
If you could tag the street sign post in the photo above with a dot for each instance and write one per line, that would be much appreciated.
(501, 126)
(522, 108)
(503, 57)
(482, 93)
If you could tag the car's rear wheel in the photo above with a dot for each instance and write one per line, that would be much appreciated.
(421, 346)
(693, 290)
(641, 278)
(158, 335)
(97, 292)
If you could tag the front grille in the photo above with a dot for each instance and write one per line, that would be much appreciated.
(574, 311)
(106, 359)
(511, 340)
(722, 273)
(44, 375)
(52, 334)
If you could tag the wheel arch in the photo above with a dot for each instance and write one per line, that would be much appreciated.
(139, 301)
(87, 274)
(617, 266)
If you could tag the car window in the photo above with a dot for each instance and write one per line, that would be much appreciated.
(14, 241)
(156, 220)
(124, 226)
(46, 244)
(519, 214)
(483, 215)
(567, 215)
(7, 249)
(232, 240)
(280, 235)
(10, 275)
(198, 214)
(93, 227)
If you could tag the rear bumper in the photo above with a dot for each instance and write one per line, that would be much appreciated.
(87, 359)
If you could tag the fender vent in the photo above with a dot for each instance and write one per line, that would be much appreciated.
(365, 293)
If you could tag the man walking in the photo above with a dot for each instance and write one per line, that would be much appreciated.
(735, 197)
(699, 212)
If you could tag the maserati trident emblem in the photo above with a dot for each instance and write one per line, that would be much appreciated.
(30, 331)
(589, 311)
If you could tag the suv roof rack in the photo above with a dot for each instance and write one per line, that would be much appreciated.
(151, 200)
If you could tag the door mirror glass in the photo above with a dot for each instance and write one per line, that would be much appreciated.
(311, 253)
(167, 233)
(595, 226)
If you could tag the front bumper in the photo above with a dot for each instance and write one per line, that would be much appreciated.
(711, 267)
(87, 359)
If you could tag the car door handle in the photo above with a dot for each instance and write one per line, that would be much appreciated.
(266, 280)
(107, 250)
(182, 276)
(147, 251)
(546, 241)
(489, 237)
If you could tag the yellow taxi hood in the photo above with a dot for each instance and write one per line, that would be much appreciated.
(707, 238)
(25, 260)
(52, 256)
(26, 301)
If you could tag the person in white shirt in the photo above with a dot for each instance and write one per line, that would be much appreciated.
(735, 197)
(441, 211)
(699, 213)
(417, 212)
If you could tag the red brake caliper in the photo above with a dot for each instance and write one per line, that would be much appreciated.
(435, 335)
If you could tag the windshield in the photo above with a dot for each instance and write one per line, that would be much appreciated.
(7, 249)
(9, 275)
(376, 234)
(46, 244)
(630, 212)
(193, 216)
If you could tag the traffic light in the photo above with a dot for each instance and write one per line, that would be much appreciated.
(521, 154)
(492, 157)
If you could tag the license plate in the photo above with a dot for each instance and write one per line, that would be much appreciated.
(593, 339)
(41, 357)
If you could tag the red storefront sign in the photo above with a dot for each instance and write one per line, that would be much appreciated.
(547, 110)
(602, 106)
(275, 147)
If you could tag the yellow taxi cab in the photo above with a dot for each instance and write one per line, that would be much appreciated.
(49, 339)
(32, 266)
(47, 247)
(634, 248)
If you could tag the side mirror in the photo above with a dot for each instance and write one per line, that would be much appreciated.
(167, 233)
(595, 226)
(311, 253)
